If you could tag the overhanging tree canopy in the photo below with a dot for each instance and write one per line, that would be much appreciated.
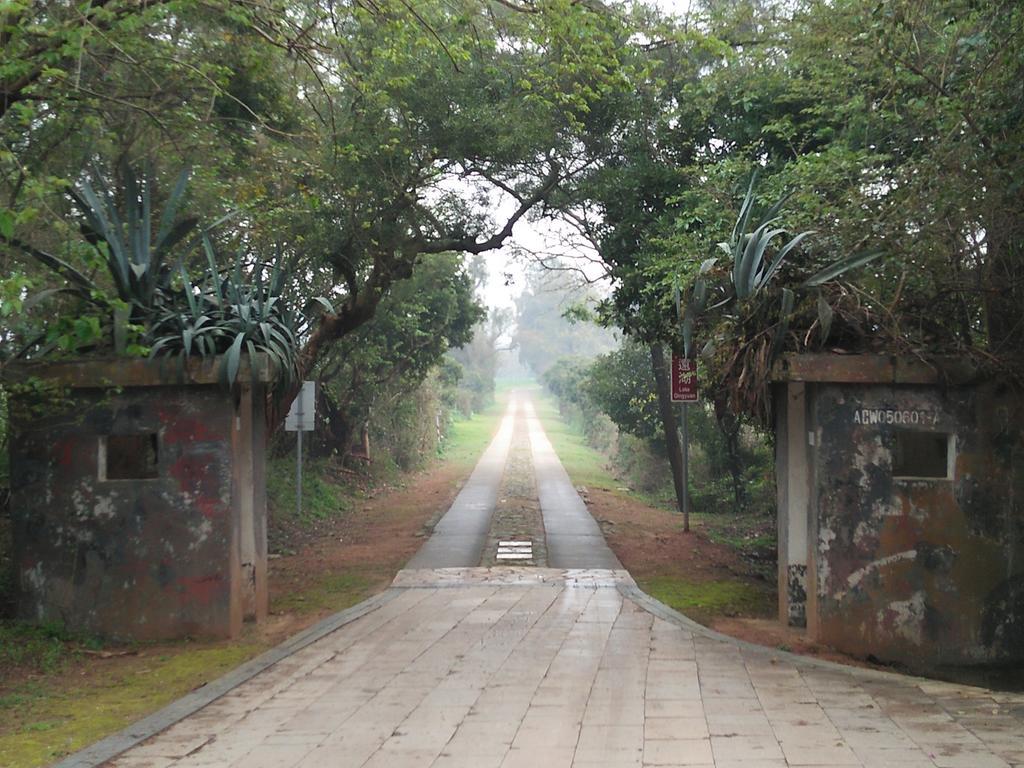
(355, 138)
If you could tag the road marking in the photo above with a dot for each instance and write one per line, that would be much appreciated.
(515, 550)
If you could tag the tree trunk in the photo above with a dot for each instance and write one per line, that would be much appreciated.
(365, 437)
(730, 427)
(1004, 286)
(336, 437)
(330, 328)
(668, 424)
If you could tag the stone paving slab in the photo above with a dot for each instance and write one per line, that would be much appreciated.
(535, 667)
(511, 576)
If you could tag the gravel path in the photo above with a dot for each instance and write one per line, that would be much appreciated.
(517, 528)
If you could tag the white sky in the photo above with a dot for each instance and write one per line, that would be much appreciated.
(539, 237)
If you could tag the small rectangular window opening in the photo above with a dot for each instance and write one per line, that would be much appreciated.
(129, 457)
(921, 454)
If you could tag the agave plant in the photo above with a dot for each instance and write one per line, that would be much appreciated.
(122, 228)
(216, 315)
(753, 267)
(231, 316)
(135, 248)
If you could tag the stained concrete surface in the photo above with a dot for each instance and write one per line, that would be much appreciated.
(548, 667)
(574, 538)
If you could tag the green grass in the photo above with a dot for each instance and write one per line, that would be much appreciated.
(322, 499)
(510, 383)
(40, 723)
(585, 465)
(468, 438)
(335, 593)
(739, 531)
(752, 535)
(44, 649)
(702, 600)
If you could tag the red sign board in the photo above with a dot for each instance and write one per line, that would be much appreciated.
(684, 380)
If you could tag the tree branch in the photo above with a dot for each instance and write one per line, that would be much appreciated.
(474, 246)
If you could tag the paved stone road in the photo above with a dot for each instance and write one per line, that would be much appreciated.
(468, 667)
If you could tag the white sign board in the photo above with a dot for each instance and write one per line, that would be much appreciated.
(302, 416)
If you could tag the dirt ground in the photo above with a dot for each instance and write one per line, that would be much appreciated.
(370, 543)
(651, 541)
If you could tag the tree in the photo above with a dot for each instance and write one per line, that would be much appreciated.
(629, 201)
(621, 383)
(355, 140)
(551, 319)
(904, 136)
(477, 360)
(894, 126)
(417, 323)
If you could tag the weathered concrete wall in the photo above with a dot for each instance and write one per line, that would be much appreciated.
(928, 571)
(146, 558)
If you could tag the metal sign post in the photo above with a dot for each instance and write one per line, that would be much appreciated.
(301, 418)
(686, 467)
(684, 390)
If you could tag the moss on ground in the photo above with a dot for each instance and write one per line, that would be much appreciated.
(335, 592)
(43, 720)
(705, 599)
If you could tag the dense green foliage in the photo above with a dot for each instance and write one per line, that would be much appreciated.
(889, 128)
(895, 127)
(336, 131)
(612, 401)
(351, 144)
(384, 372)
(477, 360)
(366, 146)
(353, 139)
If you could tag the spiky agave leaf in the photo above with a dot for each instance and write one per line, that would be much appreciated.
(837, 268)
(134, 258)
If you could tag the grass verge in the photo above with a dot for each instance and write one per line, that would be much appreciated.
(704, 600)
(51, 716)
(585, 465)
(334, 592)
(468, 438)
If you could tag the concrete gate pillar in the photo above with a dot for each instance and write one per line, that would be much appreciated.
(793, 475)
